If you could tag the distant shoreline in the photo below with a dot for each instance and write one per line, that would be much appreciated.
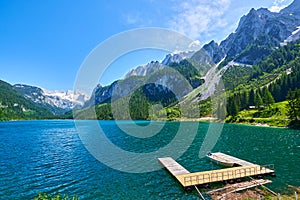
(201, 119)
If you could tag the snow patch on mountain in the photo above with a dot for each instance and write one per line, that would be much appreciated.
(295, 36)
(66, 99)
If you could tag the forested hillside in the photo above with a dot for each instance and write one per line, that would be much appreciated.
(272, 80)
(13, 106)
(262, 93)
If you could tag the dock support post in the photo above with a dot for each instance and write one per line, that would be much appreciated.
(199, 192)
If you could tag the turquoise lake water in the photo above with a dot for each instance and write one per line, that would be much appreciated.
(49, 156)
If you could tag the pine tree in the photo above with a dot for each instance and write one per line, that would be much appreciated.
(294, 104)
(233, 105)
(244, 98)
(258, 100)
(251, 97)
(277, 93)
(267, 98)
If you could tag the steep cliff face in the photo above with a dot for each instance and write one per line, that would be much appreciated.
(165, 85)
(258, 34)
(214, 51)
(292, 9)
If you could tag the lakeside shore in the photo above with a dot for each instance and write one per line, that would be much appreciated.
(262, 122)
(259, 122)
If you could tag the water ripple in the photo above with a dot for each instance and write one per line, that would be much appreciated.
(48, 156)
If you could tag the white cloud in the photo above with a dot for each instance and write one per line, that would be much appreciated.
(197, 17)
(278, 5)
(195, 44)
(137, 19)
(275, 8)
(132, 18)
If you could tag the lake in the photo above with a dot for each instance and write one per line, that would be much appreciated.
(49, 156)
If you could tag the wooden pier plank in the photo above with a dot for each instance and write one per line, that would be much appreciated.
(172, 166)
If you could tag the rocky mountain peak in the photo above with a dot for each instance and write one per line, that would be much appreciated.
(177, 57)
(257, 34)
(154, 66)
(145, 70)
(214, 51)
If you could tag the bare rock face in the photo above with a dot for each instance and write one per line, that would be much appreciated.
(258, 33)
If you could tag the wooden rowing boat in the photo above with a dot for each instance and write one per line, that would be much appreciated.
(219, 159)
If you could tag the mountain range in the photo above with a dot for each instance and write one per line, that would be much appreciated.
(23, 101)
(57, 101)
(258, 34)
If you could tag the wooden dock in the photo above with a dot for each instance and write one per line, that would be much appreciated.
(200, 178)
(187, 179)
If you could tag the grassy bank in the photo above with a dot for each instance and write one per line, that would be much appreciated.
(276, 115)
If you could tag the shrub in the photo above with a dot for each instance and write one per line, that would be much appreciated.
(45, 196)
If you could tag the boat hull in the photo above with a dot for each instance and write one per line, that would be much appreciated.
(222, 163)
(219, 162)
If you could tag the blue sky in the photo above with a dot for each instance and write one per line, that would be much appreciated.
(43, 43)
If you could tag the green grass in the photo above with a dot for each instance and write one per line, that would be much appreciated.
(276, 115)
